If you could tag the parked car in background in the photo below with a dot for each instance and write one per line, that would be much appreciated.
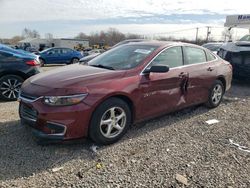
(91, 55)
(129, 41)
(15, 67)
(213, 46)
(59, 56)
(96, 51)
(16, 51)
(238, 54)
(86, 59)
(125, 85)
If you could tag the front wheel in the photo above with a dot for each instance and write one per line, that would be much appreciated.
(9, 87)
(110, 121)
(215, 94)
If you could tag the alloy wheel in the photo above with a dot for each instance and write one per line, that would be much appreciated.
(10, 88)
(113, 122)
(217, 94)
(75, 60)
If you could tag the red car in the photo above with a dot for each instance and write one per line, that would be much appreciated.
(122, 86)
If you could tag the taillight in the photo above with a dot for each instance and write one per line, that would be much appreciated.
(32, 63)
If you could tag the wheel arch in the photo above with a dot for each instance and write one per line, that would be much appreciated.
(15, 73)
(42, 59)
(123, 97)
(223, 80)
(129, 102)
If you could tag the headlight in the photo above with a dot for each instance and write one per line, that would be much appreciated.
(64, 100)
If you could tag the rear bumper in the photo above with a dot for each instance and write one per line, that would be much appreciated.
(33, 71)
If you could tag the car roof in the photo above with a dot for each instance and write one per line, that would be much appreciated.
(162, 43)
(58, 48)
(213, 43)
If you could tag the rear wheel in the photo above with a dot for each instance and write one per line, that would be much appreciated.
(42, 62)
(10, 86)
(215, 94)
(74, 60)
(110, 121)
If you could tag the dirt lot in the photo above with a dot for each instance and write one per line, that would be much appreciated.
(153, 154)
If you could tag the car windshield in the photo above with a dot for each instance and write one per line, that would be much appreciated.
(123, 57)
(212, 47)
(245, 38)
(46, 50)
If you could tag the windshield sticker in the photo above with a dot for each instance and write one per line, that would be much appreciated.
(142, 51)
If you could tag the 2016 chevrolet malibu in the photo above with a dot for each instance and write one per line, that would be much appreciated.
(122, 86)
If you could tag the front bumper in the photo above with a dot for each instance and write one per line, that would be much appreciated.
(55, 132)
(55, 124)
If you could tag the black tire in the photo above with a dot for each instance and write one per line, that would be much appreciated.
(96, 129)
(212, 103)
(9, 87)
(42, 62)
(74, 60)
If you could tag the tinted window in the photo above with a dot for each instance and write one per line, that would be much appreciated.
(210, 57)
(247, 58)
(195, 55)
(171, 57)
(54, 51)
(236, 58)
(66, 51)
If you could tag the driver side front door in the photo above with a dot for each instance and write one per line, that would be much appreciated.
(164, 92)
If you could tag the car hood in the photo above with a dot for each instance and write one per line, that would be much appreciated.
(74, 76)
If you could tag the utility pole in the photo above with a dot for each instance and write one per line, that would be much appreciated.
(197, 32)
(208, 32)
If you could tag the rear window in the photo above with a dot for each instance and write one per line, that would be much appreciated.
(236, 58)
(210, 56)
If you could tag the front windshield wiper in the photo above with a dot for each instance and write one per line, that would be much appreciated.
(103, 66)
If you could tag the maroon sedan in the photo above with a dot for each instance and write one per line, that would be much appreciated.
(122, 86)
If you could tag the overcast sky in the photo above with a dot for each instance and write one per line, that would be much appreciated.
(66, 18)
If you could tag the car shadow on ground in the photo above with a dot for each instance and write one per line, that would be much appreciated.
(239, 89)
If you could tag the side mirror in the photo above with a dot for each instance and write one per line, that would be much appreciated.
(157, 69)
(49, 53)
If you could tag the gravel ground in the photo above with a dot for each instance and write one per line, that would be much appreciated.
(175, 150)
